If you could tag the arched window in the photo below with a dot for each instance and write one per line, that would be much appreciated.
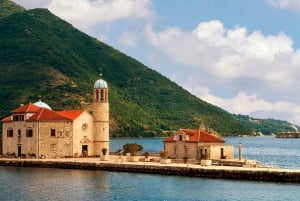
(10, 132)
(180, 137)
(97, 95)
(29, 132)
(102, 95)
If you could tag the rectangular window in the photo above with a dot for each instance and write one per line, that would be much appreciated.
(29, 132)
(52, 134)
(10, 132)
(67, 133)
(18, 117)
(60, 133)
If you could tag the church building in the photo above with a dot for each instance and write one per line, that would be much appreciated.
(35, 130)
(197, 144)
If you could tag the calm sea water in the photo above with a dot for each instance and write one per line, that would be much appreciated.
(284, 153)
(60, 184)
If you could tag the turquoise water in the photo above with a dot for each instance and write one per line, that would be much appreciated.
(59, 184)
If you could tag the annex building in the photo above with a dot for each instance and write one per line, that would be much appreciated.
(197, 144)
(36, 130)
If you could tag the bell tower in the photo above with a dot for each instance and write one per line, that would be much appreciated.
(101, 117)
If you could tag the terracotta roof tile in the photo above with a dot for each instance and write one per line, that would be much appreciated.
(48, 115)
(72, 114)
(6, 119)
(28, 108)
(194, 136)
(44, 114)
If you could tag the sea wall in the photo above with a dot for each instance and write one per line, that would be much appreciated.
(257, 174)
(288, 135)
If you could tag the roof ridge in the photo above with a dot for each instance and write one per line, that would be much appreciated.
(40, 113)
(71, 114)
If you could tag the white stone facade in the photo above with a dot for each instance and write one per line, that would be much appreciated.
(196, 144)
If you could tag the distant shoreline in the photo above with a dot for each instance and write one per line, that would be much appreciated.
(288, 135)
(266, 174)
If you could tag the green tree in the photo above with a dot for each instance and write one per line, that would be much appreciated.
(132, 148)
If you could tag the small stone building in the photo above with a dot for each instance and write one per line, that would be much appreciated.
(197, 144)
(36, 130)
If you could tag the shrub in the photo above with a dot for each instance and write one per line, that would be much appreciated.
(132, 148)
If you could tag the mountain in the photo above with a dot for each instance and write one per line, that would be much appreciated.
(8, 7)
(42, 55)
(267, 126)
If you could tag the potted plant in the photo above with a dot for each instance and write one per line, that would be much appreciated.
(146, 154)
(132, 148)
(164, 157)
(119, 154)
(205, 161)
(104, 152)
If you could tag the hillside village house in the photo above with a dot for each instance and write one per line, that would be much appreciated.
(197, 144)
(36, 130)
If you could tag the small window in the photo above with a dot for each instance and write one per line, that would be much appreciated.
(60, 133)
(10, 132)
(84, 126)
(52, 134)
(29, 132)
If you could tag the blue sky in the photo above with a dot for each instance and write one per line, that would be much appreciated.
(240, 55)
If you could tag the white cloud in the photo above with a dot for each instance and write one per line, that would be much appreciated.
(286, 4)
(251, 104)
(231, 54)
(224, 53)
(84, 13)
(236, 62)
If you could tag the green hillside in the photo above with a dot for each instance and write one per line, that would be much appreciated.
(40, 54)
(8, 7)
(267, 126)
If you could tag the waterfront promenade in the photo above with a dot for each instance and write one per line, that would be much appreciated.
(180, 169)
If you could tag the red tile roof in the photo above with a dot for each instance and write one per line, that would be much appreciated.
(194, 136)
(44, 114)
(6, 119)
(28, 108)
(48, 115)
(72, 114)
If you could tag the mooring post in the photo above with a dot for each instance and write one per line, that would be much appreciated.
(240, 151)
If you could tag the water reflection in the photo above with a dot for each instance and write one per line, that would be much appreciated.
(59, 184)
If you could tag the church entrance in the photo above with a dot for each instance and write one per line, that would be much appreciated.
(84, 150)
(19, 150)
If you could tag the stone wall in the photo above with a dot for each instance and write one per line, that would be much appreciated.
(28, 145)
(59, 145)
(181, 149)
(83, 134)
(270, 175)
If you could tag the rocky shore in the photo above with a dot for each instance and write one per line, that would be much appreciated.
(222, 172)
